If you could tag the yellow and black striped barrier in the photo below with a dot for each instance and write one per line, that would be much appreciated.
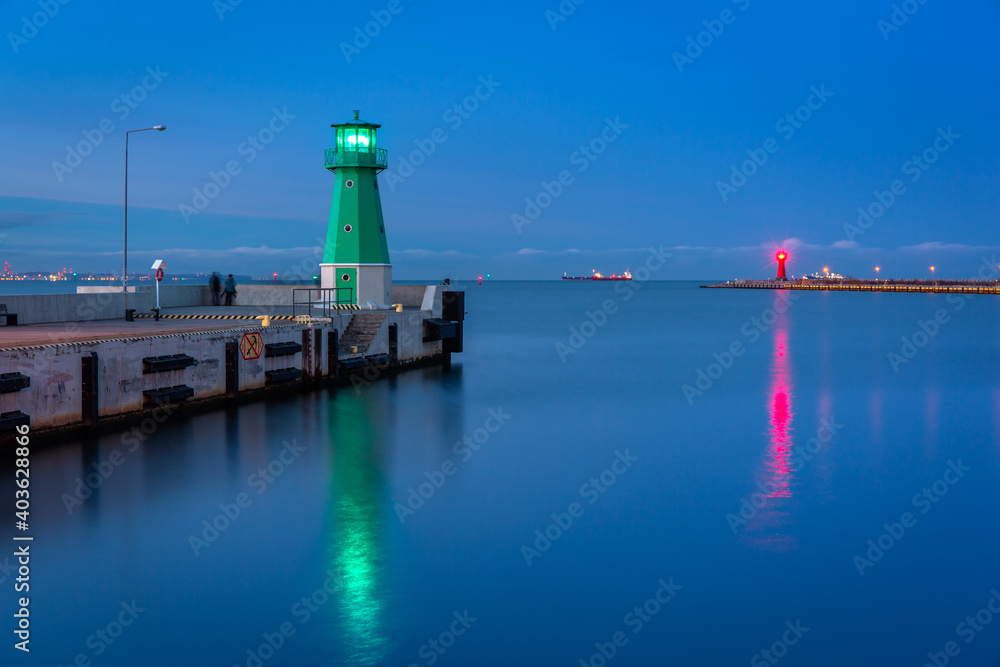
(215, 317)
(344, 306)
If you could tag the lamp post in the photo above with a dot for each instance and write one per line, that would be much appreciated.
(877, 269)
(158, 128)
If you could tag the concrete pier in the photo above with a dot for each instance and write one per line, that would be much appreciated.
(946, 287)
(74, 362)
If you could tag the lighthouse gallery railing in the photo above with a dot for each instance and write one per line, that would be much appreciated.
(378, 158)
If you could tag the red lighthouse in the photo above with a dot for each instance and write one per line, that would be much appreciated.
(782, 256)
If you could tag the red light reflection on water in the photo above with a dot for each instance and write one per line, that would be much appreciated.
(780, 400)
(771, 527)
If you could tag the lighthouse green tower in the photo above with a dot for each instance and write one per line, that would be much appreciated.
(356, 256)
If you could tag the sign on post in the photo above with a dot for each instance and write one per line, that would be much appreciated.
(159, 266)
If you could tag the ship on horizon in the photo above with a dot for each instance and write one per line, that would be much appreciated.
(597, 276)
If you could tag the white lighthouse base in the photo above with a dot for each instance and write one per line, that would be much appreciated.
(370, 282)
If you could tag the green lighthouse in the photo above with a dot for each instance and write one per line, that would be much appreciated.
(356, 256)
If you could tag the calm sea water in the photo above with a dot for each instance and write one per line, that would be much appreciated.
(674, 528)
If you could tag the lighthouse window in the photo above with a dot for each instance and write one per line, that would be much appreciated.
(376, 183)
(360, 139)
(346, 277)
(348, 228)
(349, 183)
(381, 229)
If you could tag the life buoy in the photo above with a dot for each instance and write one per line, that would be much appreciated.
(159, 275)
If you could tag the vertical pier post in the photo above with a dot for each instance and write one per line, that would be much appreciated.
(394, 344)
(307, 363)
(319, 355)
(453, 308)
(333, 356)
(90, 381)
(232, 371)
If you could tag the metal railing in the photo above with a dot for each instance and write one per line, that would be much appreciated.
(378, 158)
(323, 299)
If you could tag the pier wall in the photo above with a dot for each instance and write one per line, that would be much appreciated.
(55, 397)
(410, 295)
(107, 302)
(104, 302)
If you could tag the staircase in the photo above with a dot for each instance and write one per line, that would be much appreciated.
(361, 332)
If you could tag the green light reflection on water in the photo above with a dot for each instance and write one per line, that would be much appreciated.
(357, 495)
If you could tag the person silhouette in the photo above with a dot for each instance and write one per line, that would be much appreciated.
(215, 285)
(229, 289)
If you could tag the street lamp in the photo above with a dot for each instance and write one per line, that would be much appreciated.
(158, 128)
(877, 268)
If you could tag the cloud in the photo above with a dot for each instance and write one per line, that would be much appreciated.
(11, 219)
(576, 251)
(420, 252)
(202, 253)
(937, 246)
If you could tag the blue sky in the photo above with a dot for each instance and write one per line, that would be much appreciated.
(222, 72)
